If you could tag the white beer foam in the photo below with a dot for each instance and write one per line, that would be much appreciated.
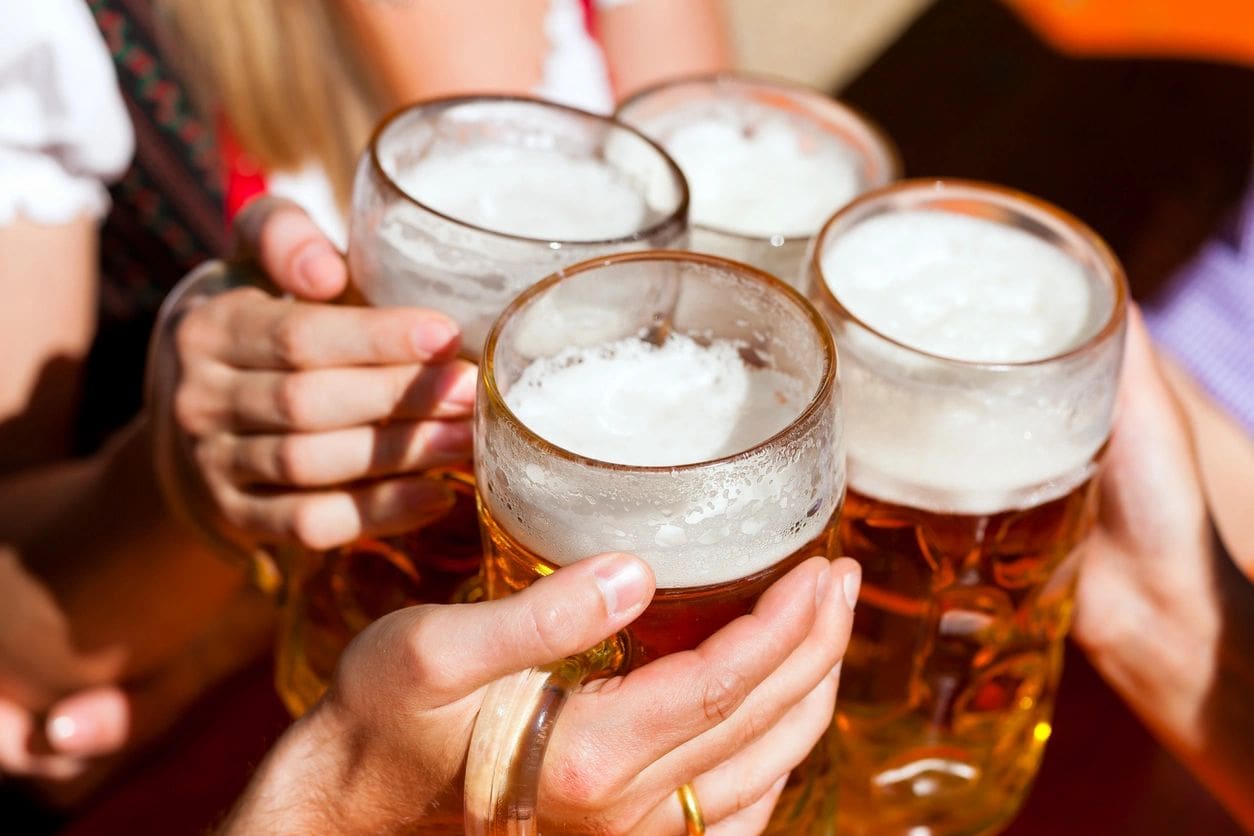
(631, 402)
(414, 258)
(949, 436)
(530, 192)
(960, 287)
(759, 180)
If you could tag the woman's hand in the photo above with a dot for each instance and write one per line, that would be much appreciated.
(310, 421)
(387, 746)
(71, 716)
(1162, 610)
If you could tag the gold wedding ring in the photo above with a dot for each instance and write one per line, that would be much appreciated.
(693, 819)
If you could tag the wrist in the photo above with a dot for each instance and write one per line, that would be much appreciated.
(298, 788)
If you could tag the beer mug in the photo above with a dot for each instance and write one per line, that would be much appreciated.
(980, 334)
(459, 204)
(677, 406)
(767, 162)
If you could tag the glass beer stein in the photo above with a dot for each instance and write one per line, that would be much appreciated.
(980, 334)
(767, 161)
(458, 205)
(677, 406)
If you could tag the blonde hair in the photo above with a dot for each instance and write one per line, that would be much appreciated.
(284, 75)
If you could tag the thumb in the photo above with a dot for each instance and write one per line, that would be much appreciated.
(465, 647)
(291, 249)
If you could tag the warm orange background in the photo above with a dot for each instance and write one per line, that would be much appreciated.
(1207, 29)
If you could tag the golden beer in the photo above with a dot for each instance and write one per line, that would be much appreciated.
(981, 334)
(334, 595)
(949, 680)
(676, 619)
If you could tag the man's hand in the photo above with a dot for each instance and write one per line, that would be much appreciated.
(387, 745)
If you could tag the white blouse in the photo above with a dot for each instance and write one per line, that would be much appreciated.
(65, 132)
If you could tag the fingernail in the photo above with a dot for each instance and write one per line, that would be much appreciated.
(319, 267)
(67, 731)
(623, 584)
(434, 335)
(821, 584)
(852, 582)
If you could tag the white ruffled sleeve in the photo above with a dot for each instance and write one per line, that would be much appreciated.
(64, 130)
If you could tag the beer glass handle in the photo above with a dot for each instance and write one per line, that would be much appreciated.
(176, 476)
(511, 735)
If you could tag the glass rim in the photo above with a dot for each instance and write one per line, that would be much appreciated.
(988, 194)
(853, 115)
(822, 390)
(678, 215)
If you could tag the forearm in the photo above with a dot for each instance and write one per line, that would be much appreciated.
(47, 279)
(648, 41)
(77, 528)
(320, 778)
(284, 795)
(418, 50)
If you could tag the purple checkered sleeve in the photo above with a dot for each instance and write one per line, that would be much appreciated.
(1206, 317)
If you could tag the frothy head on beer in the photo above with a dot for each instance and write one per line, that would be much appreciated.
(980, 333)
(630, 401)
(461, 203)
(673, 405)
(762, 159)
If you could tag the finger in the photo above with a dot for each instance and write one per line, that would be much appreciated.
(678, 697)
(291, 248)
(323, 520)
(241, 631)
(250, 329)
(327, 399)
(21, 755)
(809, 664)
(455, 650)
(753, 819)
(738, 785)
(92, 722)
(311, 460)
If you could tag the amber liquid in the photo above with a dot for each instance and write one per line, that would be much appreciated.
(334, 595)
(948, 685)
(677, 619)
